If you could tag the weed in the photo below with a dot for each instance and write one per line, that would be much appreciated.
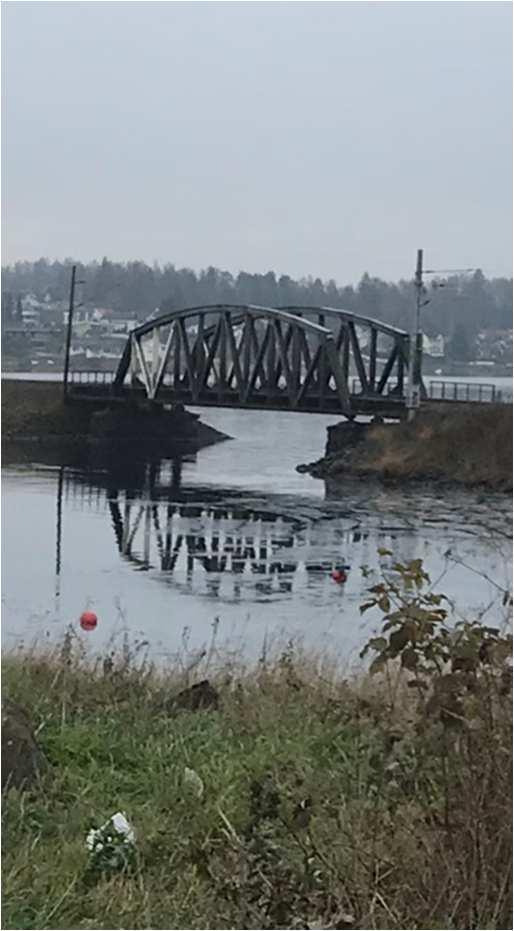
(298, 799)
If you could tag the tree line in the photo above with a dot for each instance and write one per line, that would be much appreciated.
(458, 303)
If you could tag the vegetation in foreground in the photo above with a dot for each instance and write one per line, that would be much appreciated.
(470, 444)
(289, 797)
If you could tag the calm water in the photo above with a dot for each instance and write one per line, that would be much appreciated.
(234, 538)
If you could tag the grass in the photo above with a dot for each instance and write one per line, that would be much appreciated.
(470, 444)
(326, 803)
(36, 408)
(36, 411)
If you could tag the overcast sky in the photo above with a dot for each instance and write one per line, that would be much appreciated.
(309, 138)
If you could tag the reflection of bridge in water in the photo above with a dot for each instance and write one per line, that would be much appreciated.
(199, 543)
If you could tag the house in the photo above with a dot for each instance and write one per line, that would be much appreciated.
(433, 345)
(495, 345)
(30, 302)
(31, 316)
(123, 325)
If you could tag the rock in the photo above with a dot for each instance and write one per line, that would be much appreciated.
(22, 758)
(147, 421)
(198, 697)
(316, 469)
(345, 435)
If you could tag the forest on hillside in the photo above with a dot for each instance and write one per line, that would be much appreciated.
(468, 303)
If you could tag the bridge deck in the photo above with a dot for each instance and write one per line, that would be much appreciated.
(306, 359)
(96, 388)
(96, 394)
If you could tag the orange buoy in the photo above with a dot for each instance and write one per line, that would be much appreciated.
(339, 575)
(88, 620)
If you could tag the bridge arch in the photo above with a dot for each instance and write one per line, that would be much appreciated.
(370, 344)
(236, 355)
(295, 357)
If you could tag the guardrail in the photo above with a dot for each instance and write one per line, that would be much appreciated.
(468, 391)
(91, 378)
(464, 391)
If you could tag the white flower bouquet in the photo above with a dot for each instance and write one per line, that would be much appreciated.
(112, 846)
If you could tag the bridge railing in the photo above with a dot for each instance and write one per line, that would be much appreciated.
(441, 390)
(465, 391)
(91, 378)
(437, 390)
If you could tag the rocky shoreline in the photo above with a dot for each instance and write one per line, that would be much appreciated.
(469, 445)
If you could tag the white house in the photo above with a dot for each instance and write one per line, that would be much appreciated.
(433, 345)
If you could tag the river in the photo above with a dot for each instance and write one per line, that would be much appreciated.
(231, 543)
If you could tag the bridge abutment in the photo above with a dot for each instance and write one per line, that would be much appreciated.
(146, 423)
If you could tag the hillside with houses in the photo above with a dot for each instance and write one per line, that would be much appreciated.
(467, 320)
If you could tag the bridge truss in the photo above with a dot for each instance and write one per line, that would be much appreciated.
(296, 358)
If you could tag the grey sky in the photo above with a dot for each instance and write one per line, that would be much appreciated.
(309, 138)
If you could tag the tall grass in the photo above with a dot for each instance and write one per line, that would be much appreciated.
(327, 802)
(37, 409)
(470, 444)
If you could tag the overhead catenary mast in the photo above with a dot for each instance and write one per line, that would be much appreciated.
(416, 336)
(415, 344)
(69, 330)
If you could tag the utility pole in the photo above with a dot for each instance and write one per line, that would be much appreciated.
(68, 334)
(414, 378)
(415, 345)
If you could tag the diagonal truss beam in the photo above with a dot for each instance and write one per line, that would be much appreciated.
(221, 352)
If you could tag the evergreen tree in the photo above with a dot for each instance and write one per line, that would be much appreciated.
(475, 303)
(8, 309)
(459, 347)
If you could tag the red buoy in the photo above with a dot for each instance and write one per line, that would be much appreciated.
(339, 575)
(88, 620)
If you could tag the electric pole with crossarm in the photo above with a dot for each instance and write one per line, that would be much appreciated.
(416, 336)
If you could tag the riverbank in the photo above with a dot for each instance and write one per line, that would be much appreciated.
(34, 411)
(468, 444)
(287, 796)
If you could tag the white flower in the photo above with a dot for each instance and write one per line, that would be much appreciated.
(98, 837)
(93, 839)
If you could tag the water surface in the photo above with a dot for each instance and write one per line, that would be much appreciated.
(232, 539)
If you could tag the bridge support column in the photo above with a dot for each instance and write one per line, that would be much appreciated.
(372, 360)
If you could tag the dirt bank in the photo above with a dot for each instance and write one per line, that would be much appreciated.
(35, 411)
(468, 444)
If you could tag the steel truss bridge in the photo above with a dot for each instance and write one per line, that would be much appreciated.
(310, 359)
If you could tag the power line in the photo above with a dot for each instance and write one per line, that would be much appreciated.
(449, 271)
